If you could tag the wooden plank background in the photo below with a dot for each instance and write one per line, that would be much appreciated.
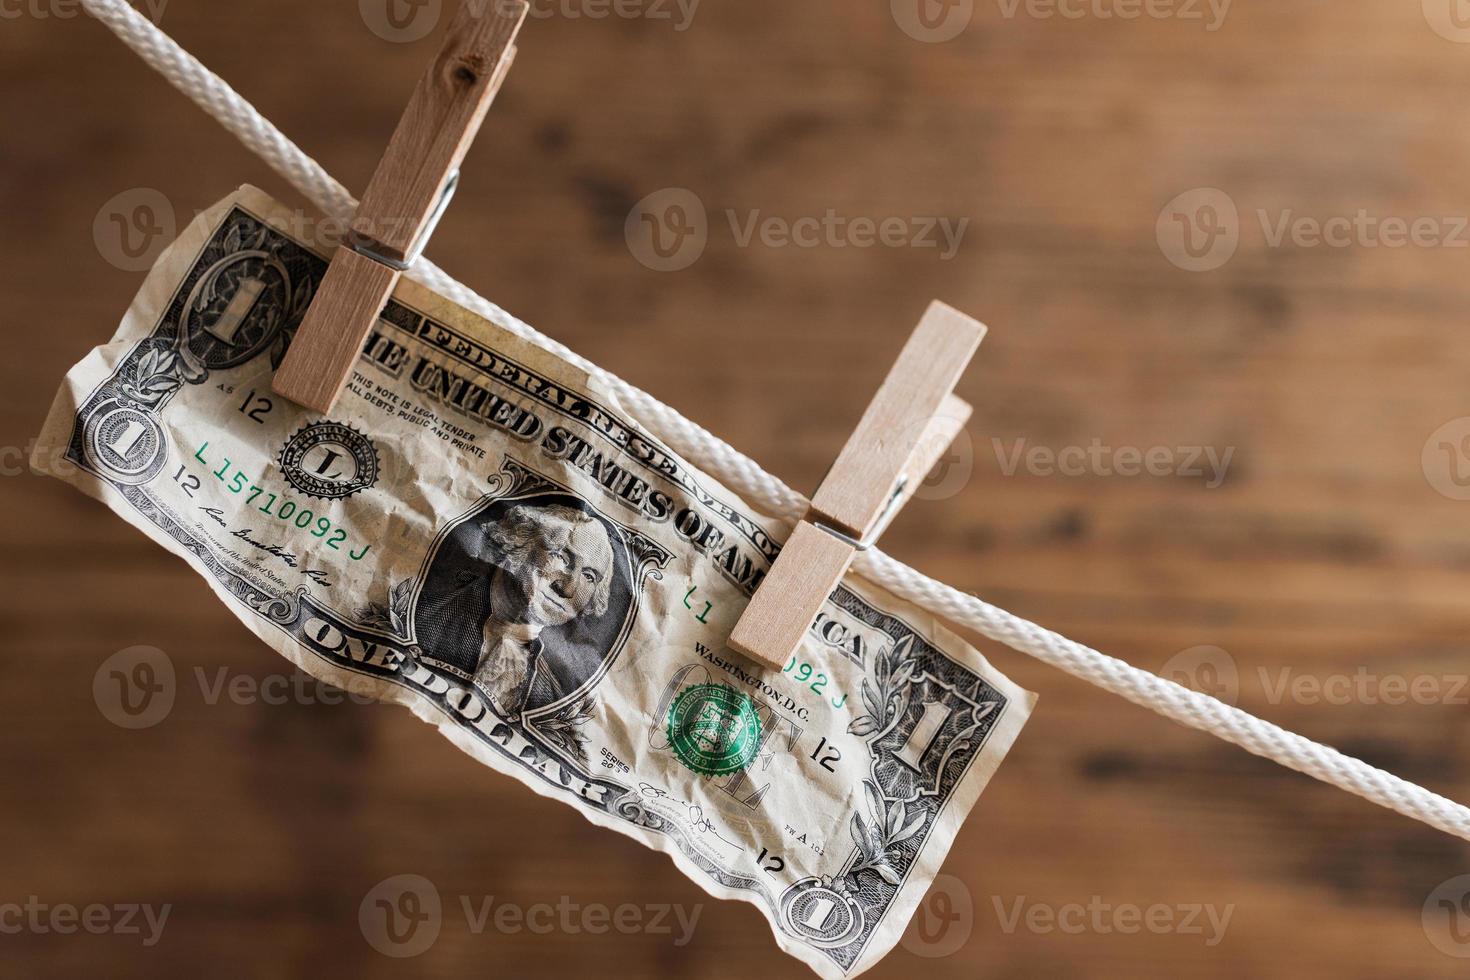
(1327, 550)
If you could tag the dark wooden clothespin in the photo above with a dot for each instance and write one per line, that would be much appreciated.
(407, 195)
(909, 424)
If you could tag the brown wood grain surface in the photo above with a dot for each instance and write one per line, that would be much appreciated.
(1328, 552)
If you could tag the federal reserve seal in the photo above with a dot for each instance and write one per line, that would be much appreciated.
(330, 460)
(713, 729)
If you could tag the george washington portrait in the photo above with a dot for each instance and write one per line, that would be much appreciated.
(524, 600)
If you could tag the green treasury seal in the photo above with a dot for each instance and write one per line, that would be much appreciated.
(714, 729)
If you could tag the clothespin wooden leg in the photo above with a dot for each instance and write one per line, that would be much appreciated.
(404, 201)
(907, 427)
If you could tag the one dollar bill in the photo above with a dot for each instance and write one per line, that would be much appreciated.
(482, 533)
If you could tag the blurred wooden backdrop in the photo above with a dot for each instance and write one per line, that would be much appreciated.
(1326, 552)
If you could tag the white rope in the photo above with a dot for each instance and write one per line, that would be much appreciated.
(742, 475)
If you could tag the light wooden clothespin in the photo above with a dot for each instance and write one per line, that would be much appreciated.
(407, 196)
(909, 424)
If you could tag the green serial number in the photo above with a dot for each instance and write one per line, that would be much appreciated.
(282, 508)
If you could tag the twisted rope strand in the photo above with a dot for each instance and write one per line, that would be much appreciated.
(745, 477)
